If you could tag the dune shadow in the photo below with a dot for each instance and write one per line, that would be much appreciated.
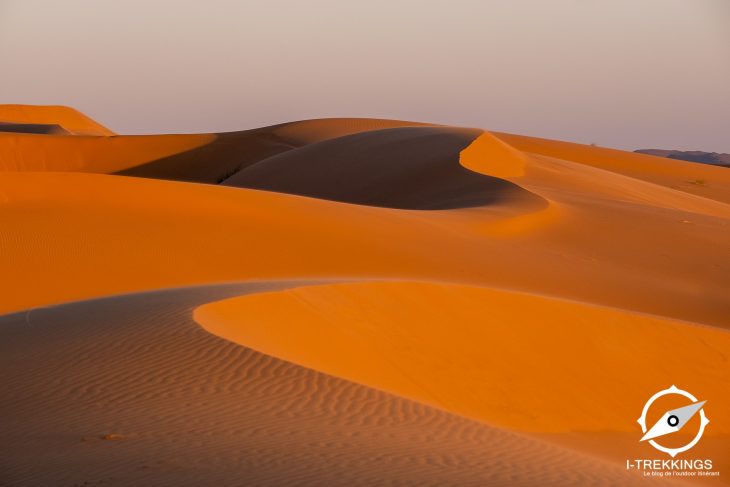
(212, 163)
(33, 128)
(415, 168)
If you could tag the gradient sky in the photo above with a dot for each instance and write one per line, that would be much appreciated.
(620, 73)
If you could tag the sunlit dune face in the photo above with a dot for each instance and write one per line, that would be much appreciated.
(434, 291)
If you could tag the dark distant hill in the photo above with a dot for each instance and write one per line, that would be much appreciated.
(714, 158)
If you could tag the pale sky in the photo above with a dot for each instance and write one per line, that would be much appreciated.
(621, 73)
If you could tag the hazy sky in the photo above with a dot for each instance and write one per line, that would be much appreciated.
(621, 73)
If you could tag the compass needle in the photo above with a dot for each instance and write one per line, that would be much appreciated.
(673, 421)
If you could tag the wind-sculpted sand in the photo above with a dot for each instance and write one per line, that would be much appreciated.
(405, 304)
(130, 391)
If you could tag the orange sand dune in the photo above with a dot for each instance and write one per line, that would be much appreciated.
(500, 357)
(109, 234)
(223, 155)
(405, 167)
(476, 284)
(443, 344)
(702, 180)
(66, 117)
(31, 152)
(33, 128)
(207, 158)
(183, 407)
(310, 131)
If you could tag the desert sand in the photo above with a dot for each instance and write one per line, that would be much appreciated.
(350, 301)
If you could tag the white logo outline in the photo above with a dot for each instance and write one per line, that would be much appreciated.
(703, 421)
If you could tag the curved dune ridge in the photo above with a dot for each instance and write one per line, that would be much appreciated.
(444, 345)
(415, 304)
(502, 358)
(206, 158)
(404, 167)
(179, 406)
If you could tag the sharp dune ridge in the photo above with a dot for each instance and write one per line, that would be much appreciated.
(414, 303)
(404, 167)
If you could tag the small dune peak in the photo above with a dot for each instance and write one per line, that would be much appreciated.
(490, 156)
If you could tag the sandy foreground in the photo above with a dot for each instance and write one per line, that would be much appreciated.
(350, 301)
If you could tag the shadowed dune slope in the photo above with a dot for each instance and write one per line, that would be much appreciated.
(228, 153)
(62, 153)
(203, 158)
(406, 167)
(33, 128)
(71, 120)
(184, 407)
(305, 132)
(212, 162)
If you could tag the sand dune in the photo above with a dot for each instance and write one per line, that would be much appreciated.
(204, 158)
(712, 158)
(182, 407)
(698, 179)
(306, 132)
(122, 234)
(106, 155)
(406, 167)
(446, 346)
(71, 120)
(33, 128)
(223, 155)
(443, 345)
(442, 306)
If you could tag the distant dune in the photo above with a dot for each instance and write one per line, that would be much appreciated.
(713, 158)
(349, 302)
(69, 119)
(33, 128)
(405, 167)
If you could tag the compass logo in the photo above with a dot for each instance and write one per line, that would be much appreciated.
(673, 421)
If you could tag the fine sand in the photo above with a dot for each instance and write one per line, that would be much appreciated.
(130, 391)
(406, 304)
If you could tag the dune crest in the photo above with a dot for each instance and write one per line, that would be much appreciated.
(446, 345)
(305, 132)
(68, 118)
(570, 373)
(491, 156)
(185, 408)
(403, 167)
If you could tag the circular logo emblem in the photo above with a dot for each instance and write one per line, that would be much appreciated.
(673, 421)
